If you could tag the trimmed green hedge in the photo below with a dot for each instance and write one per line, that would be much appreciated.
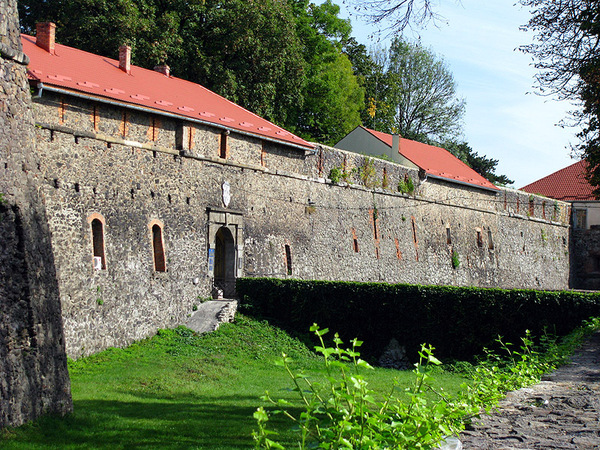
(457, 321)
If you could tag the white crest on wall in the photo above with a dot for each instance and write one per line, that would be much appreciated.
(226, 193)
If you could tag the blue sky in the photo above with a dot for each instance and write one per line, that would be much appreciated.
(505, 119)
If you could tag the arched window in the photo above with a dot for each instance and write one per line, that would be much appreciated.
(96, 222)
(158, 249)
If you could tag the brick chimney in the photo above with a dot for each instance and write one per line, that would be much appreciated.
(125, 58)
(44, 36)
(164, 69)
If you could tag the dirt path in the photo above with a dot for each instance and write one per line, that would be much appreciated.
(561, 412)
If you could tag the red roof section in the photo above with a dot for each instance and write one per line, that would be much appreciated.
(436, 161)
(88, 73)
(567, 184)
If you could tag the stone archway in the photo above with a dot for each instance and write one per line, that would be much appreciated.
(225, 261)
(225, 248)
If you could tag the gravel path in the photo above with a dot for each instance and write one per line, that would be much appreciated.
(561, 412)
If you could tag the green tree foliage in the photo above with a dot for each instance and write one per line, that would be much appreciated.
(409, 91)
(483, 165)
(279, 59)
(332, 94)
(566, 49)
(422, 93)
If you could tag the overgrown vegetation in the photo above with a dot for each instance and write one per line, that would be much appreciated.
(366, 173)
(406, 186)
(344, 412)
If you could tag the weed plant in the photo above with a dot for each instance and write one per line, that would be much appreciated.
(343, 412)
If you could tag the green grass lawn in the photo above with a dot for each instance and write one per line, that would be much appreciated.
(179, 390)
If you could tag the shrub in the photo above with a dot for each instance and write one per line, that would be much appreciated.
(458, 321)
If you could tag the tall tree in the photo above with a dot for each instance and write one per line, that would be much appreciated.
(566, 50)
(416, 96)
(333, 97)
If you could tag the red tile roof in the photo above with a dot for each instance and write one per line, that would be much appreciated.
(95, 75)
(436, 161)
(567, 184)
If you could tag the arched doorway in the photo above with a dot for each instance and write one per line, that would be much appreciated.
(225, 261)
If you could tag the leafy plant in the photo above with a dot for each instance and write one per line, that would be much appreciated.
(343, 412)
(455, 260)
(367, 173)
(335, 175)
(406, 186)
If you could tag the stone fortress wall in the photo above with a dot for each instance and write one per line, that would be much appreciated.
(33, 363)
(139, 174)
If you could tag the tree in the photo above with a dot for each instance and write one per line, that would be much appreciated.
(484, 166)
(566, 50)
(418, 99)
(333, 97)
(399, 14)
(280, 59)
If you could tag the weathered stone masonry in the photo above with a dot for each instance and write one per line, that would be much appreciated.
(132, 170)
(33, 369)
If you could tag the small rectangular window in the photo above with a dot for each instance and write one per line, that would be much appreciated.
(448, 236)
(288, 259)
(158, 249)
(479, 239)
(223, 145)
(490, 240)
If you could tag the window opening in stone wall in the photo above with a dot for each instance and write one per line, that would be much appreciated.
(580, 218)
(544, 210)
(531, 207)
(490, 240)
(95, 118)
(320, 162)
(448, 236)
(98, 244)
(123, 128)
(479, 238)
(288, 259)
(61, 110)
(223, 145)
(158, 249)
(375, 230)
(354, 241)
(414, 230)
(154, 129)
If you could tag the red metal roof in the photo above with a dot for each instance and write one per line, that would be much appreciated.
(99, 76)
(567, 184)
(436, 161)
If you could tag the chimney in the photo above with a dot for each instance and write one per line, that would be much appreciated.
(395, 147)
(164, 69)
(44, 36)
(125, 58)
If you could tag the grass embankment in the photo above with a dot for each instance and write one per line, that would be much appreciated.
(178, 390)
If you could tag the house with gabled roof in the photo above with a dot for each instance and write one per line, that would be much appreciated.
(434, 162)
(570, 184)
